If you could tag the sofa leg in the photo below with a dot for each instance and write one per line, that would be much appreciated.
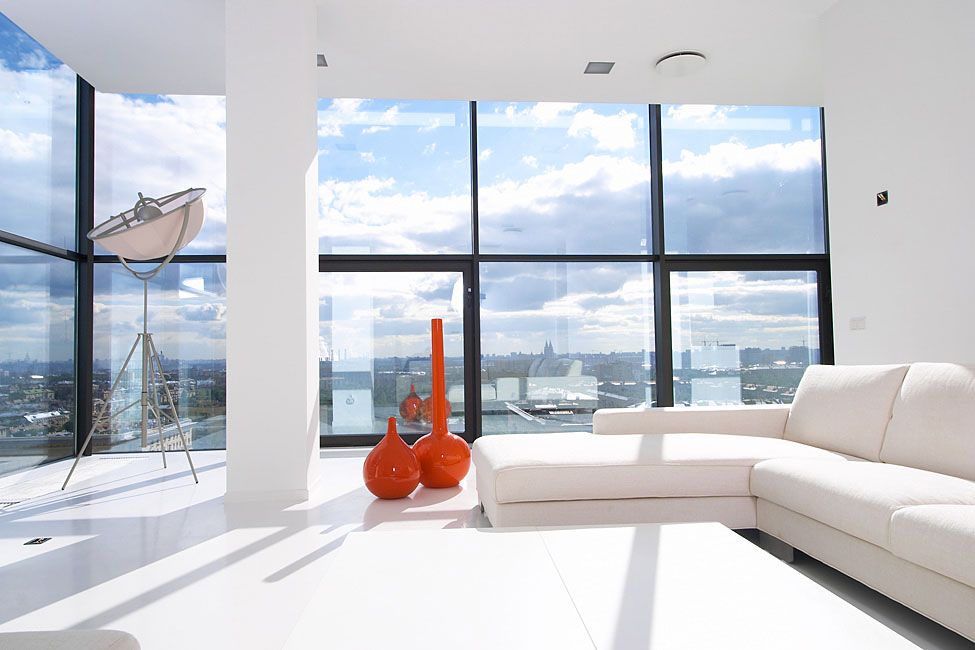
(776, 547)
(482, 508)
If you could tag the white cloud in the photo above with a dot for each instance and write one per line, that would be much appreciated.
(727, 159)
(484, 155)
(347, 104)
(374, 210)
(330, 122)
(367, 156)
(20, 147)
(543, 193)
(162, 147)
(432, 122)
(547, 112)
(541, 114)
(430, 149)
(700, 113)
(34, 59)
(369, 130)
(531, 161)
(611, 132)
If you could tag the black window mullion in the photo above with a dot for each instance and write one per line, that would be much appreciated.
(825, 306)
(825, 282)
(85, 291)
(663, 335)
(472, 302)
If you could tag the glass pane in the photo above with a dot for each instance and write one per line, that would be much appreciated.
(559, 178)
(37, 140)
(395, 177)
(37, 382)
(157, 145)
(742, 179)
(742, 337)
(187, 317)
(561, 339)
(375, 348)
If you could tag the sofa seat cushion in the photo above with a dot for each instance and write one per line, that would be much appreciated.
(844, 408)
(857, 498)
(940, 538)
(578, 465)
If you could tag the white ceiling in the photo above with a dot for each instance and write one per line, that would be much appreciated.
(760, 51)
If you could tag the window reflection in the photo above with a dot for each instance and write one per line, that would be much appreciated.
(375, 349)
(37, 385)
(187, 316)
(561, 339)
(742, 337)
(395, 177)
(556, 178)
(742, 179)
(37, 140)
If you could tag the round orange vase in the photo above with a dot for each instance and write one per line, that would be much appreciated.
(444, 457)
(391, 470)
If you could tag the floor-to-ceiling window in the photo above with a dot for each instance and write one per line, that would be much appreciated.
(583, 256)
(157, 145)
(395, 186)
(38, 258)
(744, 238)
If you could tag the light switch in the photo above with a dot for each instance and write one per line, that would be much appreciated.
(858, 323)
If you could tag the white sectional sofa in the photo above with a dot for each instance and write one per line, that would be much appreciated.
(871, 470)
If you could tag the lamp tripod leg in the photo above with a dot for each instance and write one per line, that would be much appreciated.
(172, 404)
(154, 403)
(101, 412)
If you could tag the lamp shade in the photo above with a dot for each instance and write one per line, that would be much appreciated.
(151, 229)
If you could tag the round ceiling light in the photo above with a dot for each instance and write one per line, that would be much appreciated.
(681, 64)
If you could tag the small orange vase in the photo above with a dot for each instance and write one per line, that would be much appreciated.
(444, 457)
(391, 470)
(411, 406)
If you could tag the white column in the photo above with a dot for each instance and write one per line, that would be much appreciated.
(272, 249)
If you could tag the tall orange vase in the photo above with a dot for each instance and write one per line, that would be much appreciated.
(391, 470)
(444, 457)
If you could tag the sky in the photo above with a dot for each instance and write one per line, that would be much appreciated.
(395, 177)
(575, 178)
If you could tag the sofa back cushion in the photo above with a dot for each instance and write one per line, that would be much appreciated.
(844, 408)
(933, 421)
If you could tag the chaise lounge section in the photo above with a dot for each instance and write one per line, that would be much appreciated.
(870, 470)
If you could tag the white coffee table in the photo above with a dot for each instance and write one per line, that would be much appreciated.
(661, 586)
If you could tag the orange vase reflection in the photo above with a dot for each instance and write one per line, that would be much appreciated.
(411, 406)
(444, 457)
(426, 409)
(391, 470)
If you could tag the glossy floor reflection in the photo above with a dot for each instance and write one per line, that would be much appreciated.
(145, 550)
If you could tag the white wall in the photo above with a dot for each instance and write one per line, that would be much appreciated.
(899, 91)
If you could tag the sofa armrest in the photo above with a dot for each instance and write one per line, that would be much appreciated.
(766, 420)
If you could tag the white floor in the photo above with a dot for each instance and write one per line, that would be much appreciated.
(147, 551)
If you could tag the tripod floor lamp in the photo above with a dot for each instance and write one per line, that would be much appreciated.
(153, 230)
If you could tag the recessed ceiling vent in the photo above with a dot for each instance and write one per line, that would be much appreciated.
(681, 64)
(599, 67)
